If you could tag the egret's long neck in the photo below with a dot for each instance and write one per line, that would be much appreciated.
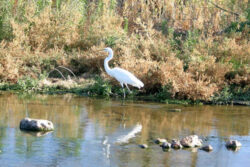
(106, 61)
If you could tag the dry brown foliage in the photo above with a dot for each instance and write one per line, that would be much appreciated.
(71, 36)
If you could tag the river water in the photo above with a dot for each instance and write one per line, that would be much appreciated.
(87, 130)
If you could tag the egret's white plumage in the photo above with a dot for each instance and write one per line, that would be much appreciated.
(121, 75)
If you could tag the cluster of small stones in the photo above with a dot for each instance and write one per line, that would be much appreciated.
(191, 142)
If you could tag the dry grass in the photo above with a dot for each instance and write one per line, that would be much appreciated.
(150, 38)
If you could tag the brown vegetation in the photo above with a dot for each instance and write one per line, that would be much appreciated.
(161, 42)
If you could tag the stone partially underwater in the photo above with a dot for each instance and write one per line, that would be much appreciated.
(30, 124)
(191, 141)
(233, 145)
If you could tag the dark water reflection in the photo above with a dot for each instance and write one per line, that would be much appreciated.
(82, 124)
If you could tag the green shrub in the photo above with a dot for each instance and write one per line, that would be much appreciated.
(99, 88)
(27, 84)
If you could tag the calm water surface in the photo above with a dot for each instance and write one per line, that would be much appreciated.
(86, 131)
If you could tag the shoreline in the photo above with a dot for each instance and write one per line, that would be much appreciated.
(90, 88)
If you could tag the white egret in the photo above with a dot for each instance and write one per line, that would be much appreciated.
(121, 75)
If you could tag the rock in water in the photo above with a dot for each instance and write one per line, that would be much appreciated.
(233, 144)
(143, 145)
(160, 141)
(166, 145)
(176, 144)
(207, 148)
(191, 141)
(175, 110)
(30, 124)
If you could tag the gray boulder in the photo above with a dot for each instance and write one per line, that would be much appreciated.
(30, 124)
(233, 144)
(207, 148)
(191, 141)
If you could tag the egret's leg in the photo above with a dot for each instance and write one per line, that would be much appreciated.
(128, 88)
(123, 91)
(124, 95)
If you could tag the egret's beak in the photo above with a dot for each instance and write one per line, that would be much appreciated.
(102, 51)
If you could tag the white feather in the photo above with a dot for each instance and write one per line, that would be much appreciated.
(121, 75)
(124, 76)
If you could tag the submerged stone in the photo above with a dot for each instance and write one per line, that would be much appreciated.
(175, 110)
(30, 124)
(159, 141)
(233, 144)
(207, 148)
(166, 145)
(143, 145)
(191, 141)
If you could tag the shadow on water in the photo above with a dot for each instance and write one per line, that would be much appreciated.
(86, 131)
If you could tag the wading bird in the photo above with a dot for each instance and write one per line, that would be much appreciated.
(121, 75)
